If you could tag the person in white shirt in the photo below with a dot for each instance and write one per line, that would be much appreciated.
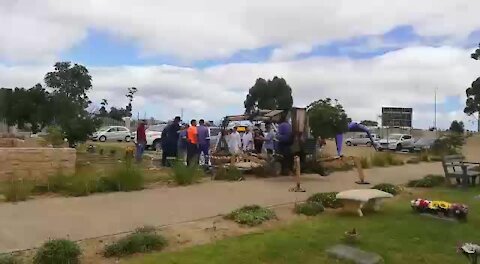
(248, 141)
(234, 142)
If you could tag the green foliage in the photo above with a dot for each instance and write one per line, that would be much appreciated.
(185, 175)
(127, 177)
(387, 187)
(448, 145)
(58, 251)
(309, 208)
(428, 181)
(383, 159)
(327, 118)
(55, 136)
(8, 259)
(328, 200)
(457, 127)
(272, 94)
(472, 104)
(16, 190)
(230, 173)
(143, 240)
(251, 215)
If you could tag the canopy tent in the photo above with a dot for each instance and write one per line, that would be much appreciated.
(353, 127)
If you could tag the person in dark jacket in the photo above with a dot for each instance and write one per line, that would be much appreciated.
(170, 137)
(141, 141)
(285, 141)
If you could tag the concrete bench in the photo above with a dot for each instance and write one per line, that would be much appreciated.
(356, 200)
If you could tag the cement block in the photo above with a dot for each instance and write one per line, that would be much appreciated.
(354, 255)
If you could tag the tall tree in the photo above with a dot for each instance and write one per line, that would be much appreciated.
(457, 127)
(369, 123)
(131, 92)
(472, 104)
(70, 84)
(272, 94)
(103, 109)
(327, 118)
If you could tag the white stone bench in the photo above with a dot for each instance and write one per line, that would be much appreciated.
(356, 200)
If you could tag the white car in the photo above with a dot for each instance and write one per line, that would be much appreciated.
(154, 136)
(361, 139)
(396, 142)
(116, 133)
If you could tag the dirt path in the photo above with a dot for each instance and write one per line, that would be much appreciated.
(28, 224)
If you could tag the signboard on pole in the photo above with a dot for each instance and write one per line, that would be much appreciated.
(397, 117)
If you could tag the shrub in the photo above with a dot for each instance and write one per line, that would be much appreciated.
(365, 162)
(127, 177)
(378, 160)
(17, 190)
(82, 184)
(428, 181)
(448, 145)
(8, 259)
(141, 241)
(231, 173)
(328, 200)
(185, 175)
(387, 187)
(55, 136)
(251, 215)
(309, 208)
(58, 182)
(58, 251)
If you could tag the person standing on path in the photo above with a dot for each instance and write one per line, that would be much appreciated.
(182, 143)
(203, 140)
(141, 141)
(247, 140)
(171, 140)
(192, 145)
(269, 139)
(258, 139)
(235, 142)
(285, 141)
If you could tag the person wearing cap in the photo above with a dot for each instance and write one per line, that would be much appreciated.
(192, 144)
(170, 141)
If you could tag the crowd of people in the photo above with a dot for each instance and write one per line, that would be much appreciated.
(188, 142)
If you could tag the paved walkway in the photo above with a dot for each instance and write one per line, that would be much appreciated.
(28, 224)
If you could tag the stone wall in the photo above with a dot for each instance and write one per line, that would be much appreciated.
(35, 163)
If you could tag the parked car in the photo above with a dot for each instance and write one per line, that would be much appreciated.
(154, 136)
(116, 133)
(361, 139)
(396, 142)
(424, 143)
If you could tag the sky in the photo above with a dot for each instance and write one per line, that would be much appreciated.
(202, 56)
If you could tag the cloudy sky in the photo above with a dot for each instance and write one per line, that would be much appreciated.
(204, 55)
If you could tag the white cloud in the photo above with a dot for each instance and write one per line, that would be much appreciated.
(404, 78)
(40, 30)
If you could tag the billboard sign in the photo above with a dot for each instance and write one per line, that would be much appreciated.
(397, 117)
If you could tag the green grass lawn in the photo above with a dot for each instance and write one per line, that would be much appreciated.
(396, 233)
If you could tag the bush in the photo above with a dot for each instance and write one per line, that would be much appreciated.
(231, 173)
(8, 259)
(382, 159)
(141, 241)
(328, 200)
(55, 136)
(428, 181)
(365, 162)
(309, 208)
(251, 215)
(17, 190)
(58, 251)
(58, 182)
(82, 184)
(185, 175)
(387, 187)
(126, 177)
(448, 145)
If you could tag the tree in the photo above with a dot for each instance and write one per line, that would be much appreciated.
(272, 94)
(131, 92)
(457, 127)
(70, 85)
(103, 110)
(327, 118)
(472, 104)
(369, 123)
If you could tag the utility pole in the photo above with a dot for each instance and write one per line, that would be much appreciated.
(435, 110)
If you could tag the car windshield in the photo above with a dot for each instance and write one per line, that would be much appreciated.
(394, 137)
(102, 129)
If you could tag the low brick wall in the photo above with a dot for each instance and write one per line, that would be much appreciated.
(36, 163)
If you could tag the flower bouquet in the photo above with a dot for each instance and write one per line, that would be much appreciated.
(440, 208)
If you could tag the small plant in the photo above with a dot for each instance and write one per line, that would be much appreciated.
(387, 187)
(231, 173)
(251, 215)
(58, 182)
(8, 259)
(17, 190)
(328, 200)
(127, 177)
(185, 175)
(365, 162)
(58, 251)
(55, 136)
(309, 208)
(143, 240)
(351, 237)
(428, 181)
(378, 160)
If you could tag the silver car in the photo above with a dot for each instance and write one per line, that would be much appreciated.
(361, 139)
(112, 133)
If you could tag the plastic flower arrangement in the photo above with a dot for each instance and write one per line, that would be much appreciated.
(441, 208)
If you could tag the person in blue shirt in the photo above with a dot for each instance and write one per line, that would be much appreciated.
(182, 143)
(285, 141)
(203, 140)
